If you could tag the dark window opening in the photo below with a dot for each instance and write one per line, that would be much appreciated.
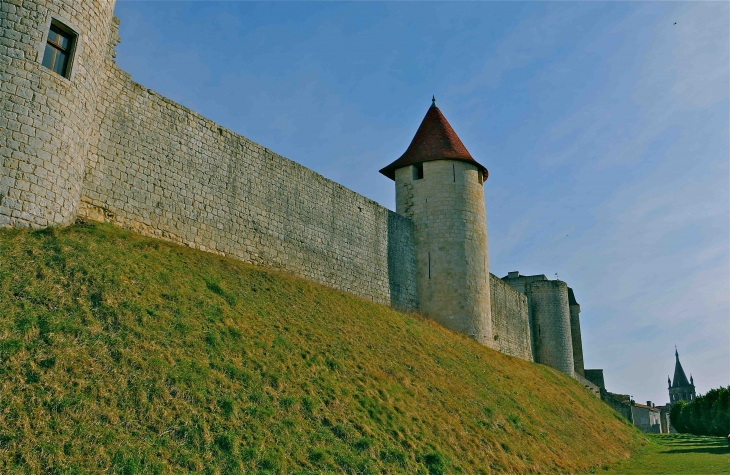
(418, 171)
(453, 167)
(59, 47)
(429, 265)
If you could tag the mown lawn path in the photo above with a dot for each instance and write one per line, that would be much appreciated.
(678, 454)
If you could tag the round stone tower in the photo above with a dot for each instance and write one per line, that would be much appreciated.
(552, 338)
(51, 69)
(440, 186)
(575, 333)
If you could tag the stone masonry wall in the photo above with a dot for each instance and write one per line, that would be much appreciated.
(99, 146)
(510, 320)
(46, 120)
(577, 339)
(553, 344)
(162, 170)
(450, 230)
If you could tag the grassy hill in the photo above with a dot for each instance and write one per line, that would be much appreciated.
(126, 354)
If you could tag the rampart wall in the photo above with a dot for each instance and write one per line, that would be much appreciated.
(510, 320)
(136, 159)
(163, 170)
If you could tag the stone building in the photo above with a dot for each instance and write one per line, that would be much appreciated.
(647, 417)
(80, 140)
(666, 424)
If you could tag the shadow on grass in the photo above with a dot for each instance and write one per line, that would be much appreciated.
(687, 444)
(699, 450)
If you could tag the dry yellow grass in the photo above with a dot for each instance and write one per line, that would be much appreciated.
(125, 354)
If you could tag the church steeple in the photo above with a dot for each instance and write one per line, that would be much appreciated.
(680, 389)
(680, 378)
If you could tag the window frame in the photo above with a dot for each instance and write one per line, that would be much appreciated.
(57, 49)
(73, 50)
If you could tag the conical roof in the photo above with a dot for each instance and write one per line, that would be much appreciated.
(680, 379)
(434, 140)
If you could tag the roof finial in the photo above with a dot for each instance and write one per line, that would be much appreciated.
(433, 101)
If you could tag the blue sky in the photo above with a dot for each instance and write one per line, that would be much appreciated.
(604, 127)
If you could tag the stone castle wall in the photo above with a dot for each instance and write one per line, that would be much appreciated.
(108, 149)
(510, 320)
(576, 338)
(163, 170)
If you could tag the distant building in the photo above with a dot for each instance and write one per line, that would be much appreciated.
(680, 389)
(647, 417)
(666, 425)
(620, 403)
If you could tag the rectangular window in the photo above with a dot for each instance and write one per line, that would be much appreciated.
(59, 47)
(418, 171)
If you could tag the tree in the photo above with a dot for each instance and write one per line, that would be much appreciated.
(721, 413)
(704, 415)
(675, 416)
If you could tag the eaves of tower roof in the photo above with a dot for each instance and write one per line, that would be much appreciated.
(434, 140)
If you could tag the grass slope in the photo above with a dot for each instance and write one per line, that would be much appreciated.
(678, 454)
(126, 354)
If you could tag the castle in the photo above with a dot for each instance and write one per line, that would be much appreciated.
(80, 139)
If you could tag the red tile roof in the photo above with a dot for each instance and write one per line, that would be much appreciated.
(434, 140)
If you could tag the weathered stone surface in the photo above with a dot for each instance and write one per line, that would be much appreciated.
(163, 170)
(47, 121)
(450, 230)
(575, 334)
(510, 320)
(548, 302)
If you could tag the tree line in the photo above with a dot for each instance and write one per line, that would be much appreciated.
(704, 415)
